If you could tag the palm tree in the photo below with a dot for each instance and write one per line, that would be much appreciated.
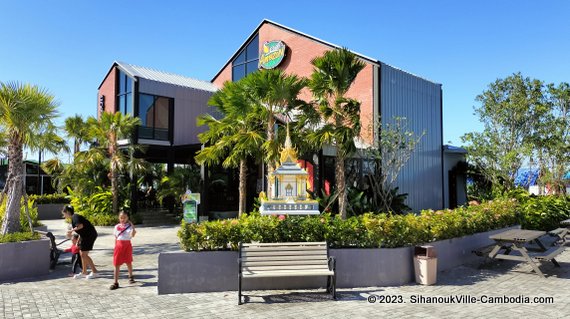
(76, 129)
(332, 76)
(108, 130)
(235, 138)
(26, 113)
(278, 93)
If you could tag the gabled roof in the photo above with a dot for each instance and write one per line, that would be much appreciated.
(334, 46)
(137, 72)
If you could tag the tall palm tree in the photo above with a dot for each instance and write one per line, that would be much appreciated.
(278, 93)
(236, 137)
(76, 129)
(26, 113)
(108, 130)
(333, 74)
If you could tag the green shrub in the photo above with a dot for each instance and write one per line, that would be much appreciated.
(98, 207)
(365, 231)
(24, 224)
(50, 199)
(543, 212)
(18, 237)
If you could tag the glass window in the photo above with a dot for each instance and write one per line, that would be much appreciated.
(252, 50)
(240, 58)
(247, 60)
(122, 79)
(251, 66)
(161, 109)
(129, 84)
(146, 103)
(238, 72)
(154, 112)
(128, 104)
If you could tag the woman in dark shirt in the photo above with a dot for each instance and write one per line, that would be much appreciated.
(87, 235)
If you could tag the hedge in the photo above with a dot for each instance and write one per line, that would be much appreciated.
(365, 231)
(50, 199)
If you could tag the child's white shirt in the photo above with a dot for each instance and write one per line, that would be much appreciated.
(126, 235)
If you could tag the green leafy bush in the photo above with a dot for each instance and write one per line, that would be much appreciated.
(98, 207)
(18, 237)
(543, 212)
(24, 225)
(364, 231)
(50, 199)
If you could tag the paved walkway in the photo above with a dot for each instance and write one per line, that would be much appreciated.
(59, 296)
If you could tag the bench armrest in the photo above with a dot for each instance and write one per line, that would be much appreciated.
(332, 263)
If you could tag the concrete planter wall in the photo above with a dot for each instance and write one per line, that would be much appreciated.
(24, 259)
(49, 211)
(182, 272)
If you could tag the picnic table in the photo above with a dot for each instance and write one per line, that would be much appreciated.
(517, 240)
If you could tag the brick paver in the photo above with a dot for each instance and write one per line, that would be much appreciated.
(59, 296)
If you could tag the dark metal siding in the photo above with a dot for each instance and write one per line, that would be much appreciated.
(418, 100)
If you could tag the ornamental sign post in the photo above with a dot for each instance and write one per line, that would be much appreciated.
(272, 53)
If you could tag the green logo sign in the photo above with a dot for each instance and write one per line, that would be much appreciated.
(272, 53)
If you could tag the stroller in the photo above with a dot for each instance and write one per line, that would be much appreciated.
(55, 252)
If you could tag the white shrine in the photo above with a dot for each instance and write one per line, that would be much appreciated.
(287, 187)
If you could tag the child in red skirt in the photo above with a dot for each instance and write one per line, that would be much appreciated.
(123, 253)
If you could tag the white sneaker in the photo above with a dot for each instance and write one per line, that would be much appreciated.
(78, 276)
(91, 275)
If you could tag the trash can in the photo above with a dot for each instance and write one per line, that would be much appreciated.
(425, 265)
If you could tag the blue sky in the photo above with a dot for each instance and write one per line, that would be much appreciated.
(68, 46)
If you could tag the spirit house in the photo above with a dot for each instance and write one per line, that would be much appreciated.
(288, 187)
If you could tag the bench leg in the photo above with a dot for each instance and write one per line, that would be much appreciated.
(556, 264)
(334, 286)
(239, 290)
(329, 282)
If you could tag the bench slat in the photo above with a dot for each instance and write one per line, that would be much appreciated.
(284, 267)
(286, 248)
(289, 273)
(283, 262)
(285, 257)
(282, 253)
(304, 244)
(549, 254)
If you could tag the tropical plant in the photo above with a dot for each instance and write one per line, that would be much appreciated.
(277, 93)
(396, 145)
(26, 114)
(176, 183)
(236, 137)
(78, 130)
(335, 117)
(108, 130)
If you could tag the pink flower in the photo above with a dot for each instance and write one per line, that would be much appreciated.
(281, 217)
(234, 222)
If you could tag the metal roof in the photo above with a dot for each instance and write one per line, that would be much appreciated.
(164, 77)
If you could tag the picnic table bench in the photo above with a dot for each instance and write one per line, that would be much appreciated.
(262, 260)
(514, 240)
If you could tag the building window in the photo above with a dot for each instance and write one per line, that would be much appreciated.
(154, 112)
(247, 60)
(125, 94)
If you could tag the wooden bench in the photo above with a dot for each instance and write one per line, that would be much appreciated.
(549, 255)
(266, 260)
(560, 234)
